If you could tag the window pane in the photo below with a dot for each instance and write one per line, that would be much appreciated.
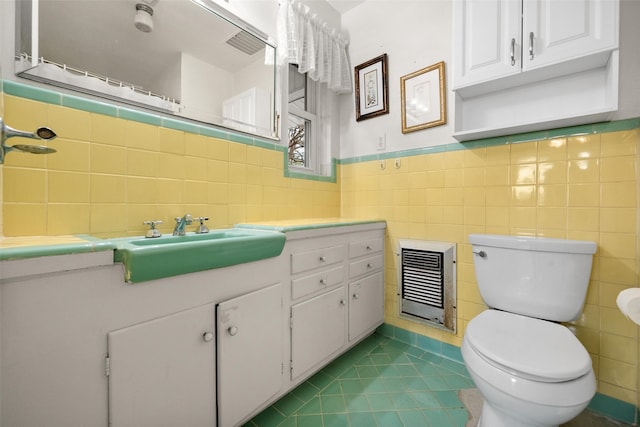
(297, 88)
(299, 129)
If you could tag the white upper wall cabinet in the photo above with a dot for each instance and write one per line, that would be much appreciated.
(498, 38)
(556, 31)
(526, 65)
(486, 35)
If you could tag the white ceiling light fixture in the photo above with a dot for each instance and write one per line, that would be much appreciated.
(143, 19)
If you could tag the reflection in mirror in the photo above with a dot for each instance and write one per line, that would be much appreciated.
(187, 58)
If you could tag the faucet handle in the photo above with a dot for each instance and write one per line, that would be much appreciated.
(153, 231)
(202, 228)
(187, 219)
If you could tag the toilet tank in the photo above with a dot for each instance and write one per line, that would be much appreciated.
(533, 276)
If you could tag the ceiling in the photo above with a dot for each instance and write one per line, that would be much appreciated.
(343, 6)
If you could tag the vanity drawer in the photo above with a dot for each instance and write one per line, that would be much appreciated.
(365, 247)
(309, 284)
(367, 265)
(317, 258)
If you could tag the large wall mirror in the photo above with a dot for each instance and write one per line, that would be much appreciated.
(187, 58)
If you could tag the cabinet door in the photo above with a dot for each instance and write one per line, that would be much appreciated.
(162, 372)
(317, 330)
(559, 30)
(487, 40)
(250, 358)
(366, 305)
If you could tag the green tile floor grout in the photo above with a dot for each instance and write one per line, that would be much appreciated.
(380, 382)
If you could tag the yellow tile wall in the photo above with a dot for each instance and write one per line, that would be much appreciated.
(110, 174)
(582, 187)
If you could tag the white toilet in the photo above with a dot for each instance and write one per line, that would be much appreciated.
(530, 370)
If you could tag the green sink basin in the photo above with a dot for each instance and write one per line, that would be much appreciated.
(166, 256)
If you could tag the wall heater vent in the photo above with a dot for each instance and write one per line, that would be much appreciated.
(427, 282)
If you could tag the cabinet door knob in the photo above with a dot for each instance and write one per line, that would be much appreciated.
(356, 296)
(207, 336)
(368, 247)
(323, 259)
(369, 265)
(232, 330)
(323, 282)
(343, 302)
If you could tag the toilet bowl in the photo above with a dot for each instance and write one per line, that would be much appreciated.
(530, 372)
(530, 369)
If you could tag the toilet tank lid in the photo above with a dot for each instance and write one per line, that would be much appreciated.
(531, 243)
(531, 348)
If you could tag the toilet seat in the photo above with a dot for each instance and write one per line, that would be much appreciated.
(528, 348)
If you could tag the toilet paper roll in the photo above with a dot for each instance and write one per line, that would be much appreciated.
(629, 303)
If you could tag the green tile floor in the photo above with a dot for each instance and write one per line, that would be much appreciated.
(380, 382)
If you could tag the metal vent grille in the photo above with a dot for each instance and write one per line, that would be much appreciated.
(246, 43)
(427, 282)
(422, 277)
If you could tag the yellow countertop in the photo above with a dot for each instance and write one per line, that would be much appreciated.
(288, 225)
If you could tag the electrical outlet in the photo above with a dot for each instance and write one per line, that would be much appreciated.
(381, 142)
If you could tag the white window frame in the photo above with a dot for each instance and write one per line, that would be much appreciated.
(311, 138)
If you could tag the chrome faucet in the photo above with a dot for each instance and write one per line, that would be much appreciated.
(181, 222)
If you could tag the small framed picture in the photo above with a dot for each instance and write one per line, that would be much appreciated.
(372, 90)
(423, 98)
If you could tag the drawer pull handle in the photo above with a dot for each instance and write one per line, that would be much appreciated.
(356, 296)
(343, 302)
(323, 282)
(323, 259)
(369, 265)
(368, 248)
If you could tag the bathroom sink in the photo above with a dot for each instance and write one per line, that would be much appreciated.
(154, 258)
(191, 237)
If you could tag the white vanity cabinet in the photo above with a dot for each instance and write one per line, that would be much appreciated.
(318, 312)
(527, 65)
(337, 292)
(80, 347)
(317, 330)
(249, 352)
(162, 372)
(366, 286)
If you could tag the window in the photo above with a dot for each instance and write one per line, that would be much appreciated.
(302, 123)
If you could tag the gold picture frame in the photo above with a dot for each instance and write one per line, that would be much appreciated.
(424, 103)
(372, 90)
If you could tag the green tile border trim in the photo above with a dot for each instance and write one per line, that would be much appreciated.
(34, 93)
(90, 245)
(603, 127)
(604, 405)
(292, 173)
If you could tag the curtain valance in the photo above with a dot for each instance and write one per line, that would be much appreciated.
(318, 50)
